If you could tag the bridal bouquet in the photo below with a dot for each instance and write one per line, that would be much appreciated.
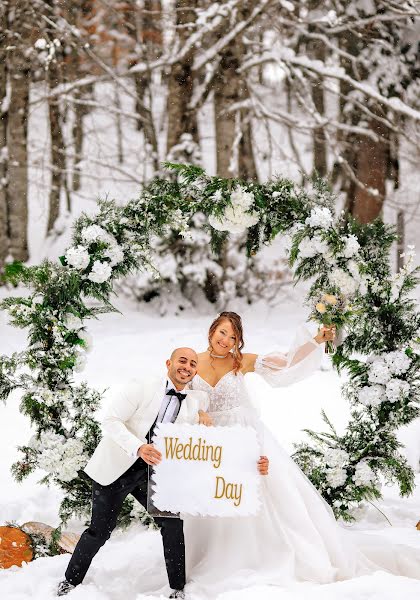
(331, 309)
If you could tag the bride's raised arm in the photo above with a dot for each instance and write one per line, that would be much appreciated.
(303, 358)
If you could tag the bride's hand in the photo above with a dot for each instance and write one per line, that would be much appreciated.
(325, 334)
(204, 418)
(263, 465)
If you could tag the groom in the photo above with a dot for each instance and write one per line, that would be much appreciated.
(118, 466)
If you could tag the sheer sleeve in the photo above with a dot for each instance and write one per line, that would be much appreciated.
(303, 359)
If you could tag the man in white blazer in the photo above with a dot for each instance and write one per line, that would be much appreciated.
(119, 465)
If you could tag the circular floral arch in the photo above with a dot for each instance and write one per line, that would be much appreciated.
(351, 285)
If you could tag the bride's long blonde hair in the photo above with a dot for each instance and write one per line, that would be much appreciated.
(236, 322)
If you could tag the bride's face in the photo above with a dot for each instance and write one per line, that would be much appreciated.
(223, 339)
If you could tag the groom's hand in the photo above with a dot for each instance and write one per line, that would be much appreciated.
(149, 454)
(263, 465)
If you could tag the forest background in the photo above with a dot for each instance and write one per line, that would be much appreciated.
(96, 94)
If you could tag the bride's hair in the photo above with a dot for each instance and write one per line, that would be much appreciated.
(236, 322)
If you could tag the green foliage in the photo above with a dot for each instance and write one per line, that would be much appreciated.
(379, 316)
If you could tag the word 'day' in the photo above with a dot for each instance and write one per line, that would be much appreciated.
(207, 470)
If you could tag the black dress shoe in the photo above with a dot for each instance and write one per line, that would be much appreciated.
(178, 594)
(64, 587)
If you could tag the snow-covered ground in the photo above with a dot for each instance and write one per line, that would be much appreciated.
(138, 342)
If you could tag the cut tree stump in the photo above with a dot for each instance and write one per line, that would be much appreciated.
(67, 541)
(15, 547)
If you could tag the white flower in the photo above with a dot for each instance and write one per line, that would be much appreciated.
(47, 440)
(94, 233)
(80, 363)
(241, 198)
(379, 372)
(101, 272)
(396, 389)
(320, 217)
(115, 254)
(371, 395)
(236, 219)
(87, 339)
(72, 460)
(276, 194)
(336, 476)
(345, 282)
(351, 246)
(311, 247)
(364, 474)
(397, 361)
(72, 322)
(78, 257)
(335, 457)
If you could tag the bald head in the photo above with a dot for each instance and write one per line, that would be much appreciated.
(186, 351)
(182, 366)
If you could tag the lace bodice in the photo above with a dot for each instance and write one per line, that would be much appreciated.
(228, 393)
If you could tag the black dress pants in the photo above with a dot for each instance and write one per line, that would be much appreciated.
(107, 501)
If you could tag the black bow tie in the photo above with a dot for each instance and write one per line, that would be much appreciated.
(179, 395)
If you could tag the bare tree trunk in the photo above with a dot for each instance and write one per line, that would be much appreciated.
(368, 160)
(317, 50)
(181, 81)
(77, 133)
(143, 25)
(230, 87)
(4, 237)
(78, 13)
(371, 162)
(58, 156)
(19, 75)
(401, 239)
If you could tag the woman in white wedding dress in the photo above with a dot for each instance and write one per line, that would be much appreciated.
(294, 537)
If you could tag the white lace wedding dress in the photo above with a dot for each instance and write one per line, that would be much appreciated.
(295, 536)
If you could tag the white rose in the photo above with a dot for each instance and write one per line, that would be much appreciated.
(320, 217)
(345, 282)
(94, 233)
(379, 372)
(115, 255)
(397, 361)
(336, 476)
(396, 389)
(335, 457)
(371, 395)
(101, 272)
(363, 474)
(78, 257)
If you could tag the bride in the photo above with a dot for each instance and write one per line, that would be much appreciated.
(294, 536)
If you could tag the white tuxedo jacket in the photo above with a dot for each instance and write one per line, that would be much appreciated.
(133, 409)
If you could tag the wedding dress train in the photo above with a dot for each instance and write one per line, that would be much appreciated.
(294, 537)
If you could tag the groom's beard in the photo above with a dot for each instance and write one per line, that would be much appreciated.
(176, 378)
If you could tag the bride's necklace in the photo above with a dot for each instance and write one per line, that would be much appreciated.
(218, 356)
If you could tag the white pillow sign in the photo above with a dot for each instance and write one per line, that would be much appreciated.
(206, 470)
